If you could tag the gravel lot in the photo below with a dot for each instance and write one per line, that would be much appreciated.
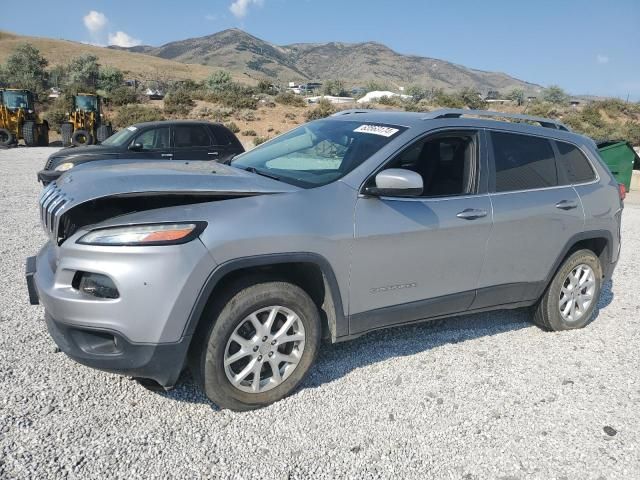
(482, 396)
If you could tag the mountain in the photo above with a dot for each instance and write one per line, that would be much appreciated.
(135, 65)
(355, 63)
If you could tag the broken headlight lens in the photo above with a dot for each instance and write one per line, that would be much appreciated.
(150, 234)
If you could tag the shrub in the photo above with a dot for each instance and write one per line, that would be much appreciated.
(56, 114)
(122, 96)
(232, 126)
(249, 133)
(290, 116)
(247, 116)
(335, 88)
(110, 79)
(178, 102)
(219, 81)
(130, 114)
(555, 94)
(289, 98)
(322, 110)
(239, 97)
(258, 140)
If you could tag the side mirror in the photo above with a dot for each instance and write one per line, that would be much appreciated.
(136, 147)
(397, 182)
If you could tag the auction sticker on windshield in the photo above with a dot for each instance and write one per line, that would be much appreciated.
(377, 130)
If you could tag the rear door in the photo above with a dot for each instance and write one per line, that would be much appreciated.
(419, 257)
(534, 216)
(194, 142)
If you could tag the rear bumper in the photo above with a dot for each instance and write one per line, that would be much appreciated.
(48, 176)
(111, 352)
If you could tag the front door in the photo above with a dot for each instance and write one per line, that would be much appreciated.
(420, 257)
(152, 144)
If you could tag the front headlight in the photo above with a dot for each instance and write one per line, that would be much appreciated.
(150, 234)
(63, 167)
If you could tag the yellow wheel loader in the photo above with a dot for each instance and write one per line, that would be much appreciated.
(19, 120)
(85, 125)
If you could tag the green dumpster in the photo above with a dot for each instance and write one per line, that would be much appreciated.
(619, 157)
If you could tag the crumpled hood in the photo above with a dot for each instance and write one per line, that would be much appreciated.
(121, 178)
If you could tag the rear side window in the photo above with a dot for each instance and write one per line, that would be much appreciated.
(575, 165)
(191, 136)
(523, 162)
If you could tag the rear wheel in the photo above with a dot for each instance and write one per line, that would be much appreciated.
(103, 132)
(260, 347)
(66, 132)
(81, 137)
(573, 294)
(30, 134)
(6, 137)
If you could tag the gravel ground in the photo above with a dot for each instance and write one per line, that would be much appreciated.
(482, 396)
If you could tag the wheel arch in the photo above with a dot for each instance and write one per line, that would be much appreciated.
(310, 271)
(598, 241)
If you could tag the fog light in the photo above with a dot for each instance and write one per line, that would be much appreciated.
(95, 284)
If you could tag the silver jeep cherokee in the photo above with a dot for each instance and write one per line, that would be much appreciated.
(360, 221)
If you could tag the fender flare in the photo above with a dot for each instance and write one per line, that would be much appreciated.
(338, 325)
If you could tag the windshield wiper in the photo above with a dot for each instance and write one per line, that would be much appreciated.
(260, 172)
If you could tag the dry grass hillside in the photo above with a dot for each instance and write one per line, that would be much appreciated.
(134, 65)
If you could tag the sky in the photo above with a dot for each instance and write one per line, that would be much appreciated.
(585, 46)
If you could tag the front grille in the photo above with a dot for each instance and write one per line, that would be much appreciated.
(50, 160)
(52, 203)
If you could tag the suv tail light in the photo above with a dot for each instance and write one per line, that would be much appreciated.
(622, 191)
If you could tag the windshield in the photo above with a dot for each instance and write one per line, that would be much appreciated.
(120, 138)
(318, 153)
(15, 100)
(86, 103)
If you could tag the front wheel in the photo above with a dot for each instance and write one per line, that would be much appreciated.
(260, 347)
(572, 296)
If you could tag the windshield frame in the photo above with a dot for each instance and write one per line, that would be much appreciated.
(351, 129)
(121, 137)
(6, 94)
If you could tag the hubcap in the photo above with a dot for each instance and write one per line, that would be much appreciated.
(577, 293)
(264, 349)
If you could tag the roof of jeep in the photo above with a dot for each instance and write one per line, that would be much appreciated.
(475, 118)
(160, 123)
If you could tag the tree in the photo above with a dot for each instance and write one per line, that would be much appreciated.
(417, 92)
(219, 81)
(516, 95)
(84, 72)
(25, 68)
(335, 88)
(472, 98)
(110, 79)
(555, 94)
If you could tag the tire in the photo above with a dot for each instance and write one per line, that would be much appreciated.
(207, 362)
(562, 294)
(81, 137)
(43, 138)
(6, 137)
(30, 134)
(66, 132)
(103, 132)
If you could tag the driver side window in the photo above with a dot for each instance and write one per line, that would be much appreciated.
(447, 163)
(155, 139)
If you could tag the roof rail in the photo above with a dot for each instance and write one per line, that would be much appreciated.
(459, 112)
(352, 111)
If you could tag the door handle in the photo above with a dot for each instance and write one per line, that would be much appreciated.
(471, 214)
(567, 204)
(166, 155)
(212, 153)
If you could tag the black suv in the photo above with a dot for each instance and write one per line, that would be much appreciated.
(166, 140)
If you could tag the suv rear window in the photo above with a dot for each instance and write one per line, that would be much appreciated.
(523, 162)
(575, 165)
